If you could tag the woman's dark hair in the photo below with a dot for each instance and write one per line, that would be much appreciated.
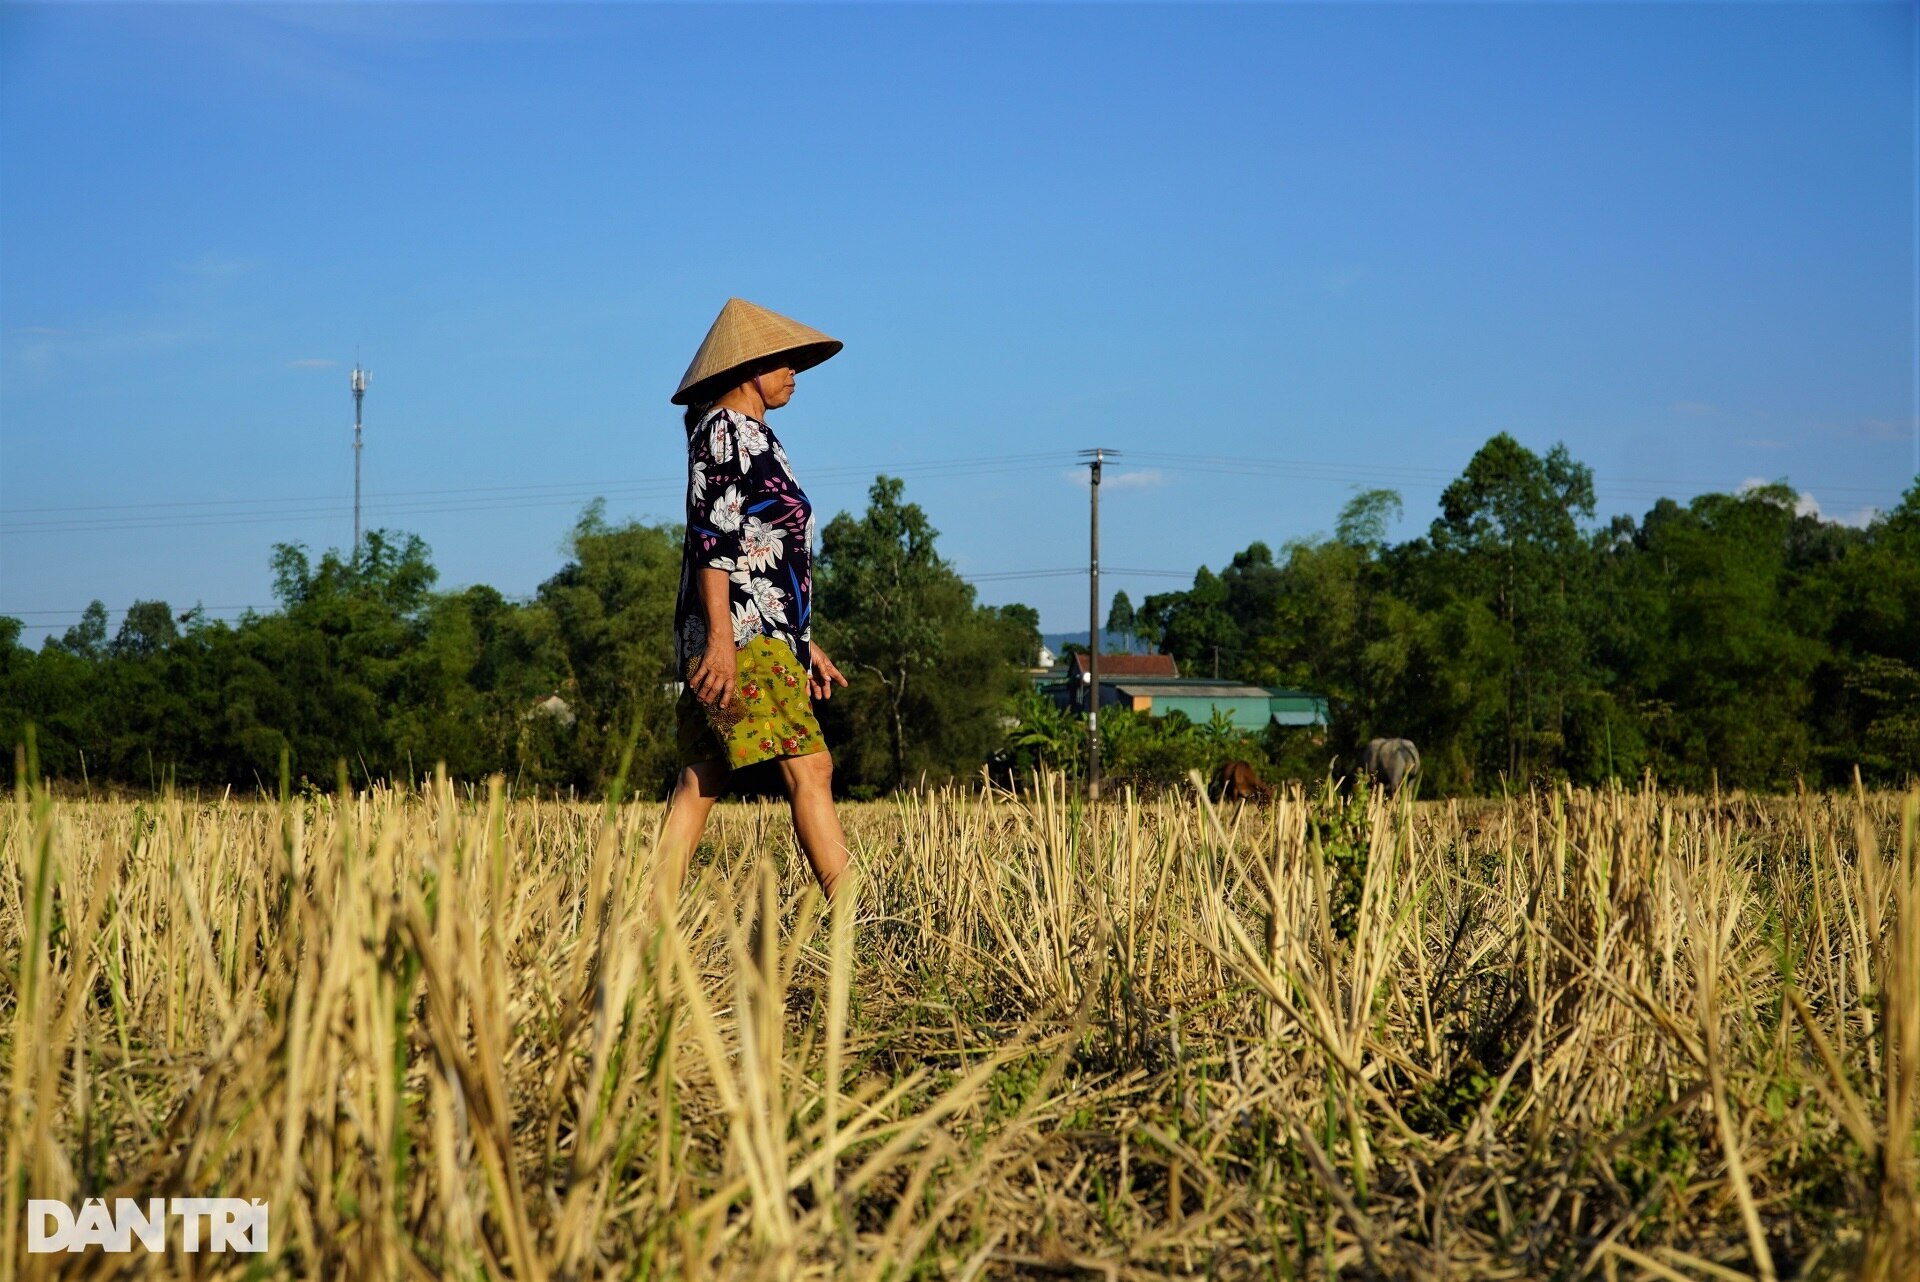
(695, 412)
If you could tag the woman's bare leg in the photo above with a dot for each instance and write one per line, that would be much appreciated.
(694, 793)
(809, 781)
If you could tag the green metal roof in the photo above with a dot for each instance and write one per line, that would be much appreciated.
(1250, 706)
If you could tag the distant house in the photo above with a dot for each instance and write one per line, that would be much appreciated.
(1112, 668)
(1046, 658)
(1296, 707)
(1115, 666)
(1198, 698)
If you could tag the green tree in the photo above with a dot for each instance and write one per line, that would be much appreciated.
(929, 670)
(338, 655)
(147, 629)
(604, 636)
(1364, 519)
(1194, 626)
(86, 639)
(1120, 617)
(1324, 630)
(1729, 637)
(1722, 640)
(1215, 626)
(1509, 534)
(1043, 736)
(1023, 633)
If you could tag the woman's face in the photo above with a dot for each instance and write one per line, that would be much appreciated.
(776, 387)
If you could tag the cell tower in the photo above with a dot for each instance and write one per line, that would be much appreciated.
(359, 392)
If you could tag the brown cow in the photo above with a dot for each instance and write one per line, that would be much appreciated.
(1236, 781)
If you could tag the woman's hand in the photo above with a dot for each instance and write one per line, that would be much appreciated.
(822, 676)
(712, 681)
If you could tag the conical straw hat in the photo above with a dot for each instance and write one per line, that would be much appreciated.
(747, 334)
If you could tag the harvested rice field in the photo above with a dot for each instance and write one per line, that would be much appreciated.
(448, 1034)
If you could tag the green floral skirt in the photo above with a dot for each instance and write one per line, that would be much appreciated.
(775, 712)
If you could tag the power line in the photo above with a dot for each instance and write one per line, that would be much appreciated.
(1000, 576)
(187, 513)
(74, 614)
(1057, 456)
(1438, 478)
(308, 498)
(150, 516)
(658, 491)
(66, 619)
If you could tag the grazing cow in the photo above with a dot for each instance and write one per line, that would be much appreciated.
(1236, 781)
(1391, 763)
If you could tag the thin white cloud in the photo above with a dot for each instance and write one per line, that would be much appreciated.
(1752, 483)
(1859, 518)
(47, 350)
(1805, 504)
(1880, 429)
(312, 362)
(1695, 409)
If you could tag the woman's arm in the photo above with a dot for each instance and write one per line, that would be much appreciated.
(822, 675)
(712, 680)
(713, 519)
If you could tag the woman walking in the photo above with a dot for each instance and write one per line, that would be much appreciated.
(744, 622)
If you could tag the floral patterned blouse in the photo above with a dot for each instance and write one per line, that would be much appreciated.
(746, 515)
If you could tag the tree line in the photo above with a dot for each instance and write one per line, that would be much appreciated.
(364, 666)
(1731, 639)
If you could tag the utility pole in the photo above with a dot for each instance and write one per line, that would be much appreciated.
(1097, 457)
(359, 391)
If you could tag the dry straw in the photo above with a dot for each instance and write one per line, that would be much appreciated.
(1579, 1034)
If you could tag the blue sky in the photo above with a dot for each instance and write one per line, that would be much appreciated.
(1269, 253)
